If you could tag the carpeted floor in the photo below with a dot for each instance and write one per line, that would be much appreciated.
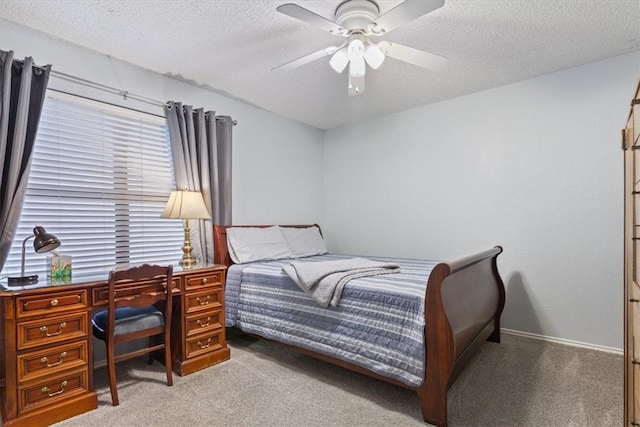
(520, 382)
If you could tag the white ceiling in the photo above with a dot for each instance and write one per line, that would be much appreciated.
(230, 47)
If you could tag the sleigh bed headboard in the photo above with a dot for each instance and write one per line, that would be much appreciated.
(220, 248)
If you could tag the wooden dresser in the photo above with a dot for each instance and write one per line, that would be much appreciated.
(46, 354)
(631, 147)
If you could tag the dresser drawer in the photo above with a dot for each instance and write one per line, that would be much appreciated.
(51, 330)
(205, 343)
(36, 364)
(200, 280)
(53, 390)
(207, 300)
(204, 322)
(50, 304)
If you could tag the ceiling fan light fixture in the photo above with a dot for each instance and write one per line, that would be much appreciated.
(355, 49)
(355, 53)
(339, 60)
(357, 67)
(374, 56)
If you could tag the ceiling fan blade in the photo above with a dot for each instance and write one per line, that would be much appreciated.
(307, 58)
(298, 12)
(413, 56)
(403, 13)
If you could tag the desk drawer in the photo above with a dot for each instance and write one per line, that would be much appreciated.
(197, 281)
(52, 330)
(40, 305)
(207, 300)
(205, 343)
(203, 322)
(37, 364)
(53, 390)
(100, 294)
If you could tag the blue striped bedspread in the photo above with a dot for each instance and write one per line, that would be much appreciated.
(378, 323)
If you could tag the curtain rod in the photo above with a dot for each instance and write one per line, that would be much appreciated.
(115, 91)
(125, 94)
(104, 102)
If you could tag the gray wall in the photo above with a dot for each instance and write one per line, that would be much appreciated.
(534, 166)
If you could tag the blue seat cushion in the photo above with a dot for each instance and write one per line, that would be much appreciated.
(128, 319)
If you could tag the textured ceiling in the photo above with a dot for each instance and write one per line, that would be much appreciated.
(230, 46)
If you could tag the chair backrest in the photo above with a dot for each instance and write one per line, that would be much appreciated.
(140, 287)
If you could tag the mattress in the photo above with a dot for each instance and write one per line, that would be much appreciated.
(378, 323)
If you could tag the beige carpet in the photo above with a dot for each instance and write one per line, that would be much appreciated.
(521, 382)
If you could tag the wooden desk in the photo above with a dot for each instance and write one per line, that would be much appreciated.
(46, 341)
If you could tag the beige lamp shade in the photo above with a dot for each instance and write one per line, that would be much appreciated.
(184, 204)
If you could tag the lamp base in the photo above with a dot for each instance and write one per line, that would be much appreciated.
(187, 260)
(22, 281)
(188, 263)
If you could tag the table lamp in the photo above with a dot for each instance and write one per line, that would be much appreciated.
(186, 205)
(44, 242)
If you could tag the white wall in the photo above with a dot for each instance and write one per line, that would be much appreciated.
(534, 166)
(270, 153)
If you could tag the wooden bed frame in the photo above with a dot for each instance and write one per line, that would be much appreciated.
(464, 301)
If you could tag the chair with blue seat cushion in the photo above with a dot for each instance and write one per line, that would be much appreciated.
(138, 306)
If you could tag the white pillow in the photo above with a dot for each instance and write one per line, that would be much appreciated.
(248, 244)
(304, 241)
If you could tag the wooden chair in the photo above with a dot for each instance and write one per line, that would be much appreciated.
(132, 315)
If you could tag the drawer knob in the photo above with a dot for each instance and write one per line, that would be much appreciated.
(47, 390)
(204, 281)
(54, 302)
(205, 302)
(45, 360)
(204, 325)
(45, 330)
(204, 345)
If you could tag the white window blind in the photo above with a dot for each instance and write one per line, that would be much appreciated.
(99, 179)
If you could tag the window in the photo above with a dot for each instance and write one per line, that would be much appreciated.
(99, 178)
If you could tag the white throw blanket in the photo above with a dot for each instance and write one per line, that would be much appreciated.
(325, 280)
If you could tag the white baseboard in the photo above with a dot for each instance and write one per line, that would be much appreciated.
(564, 341)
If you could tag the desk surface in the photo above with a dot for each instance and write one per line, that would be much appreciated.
(82, 279)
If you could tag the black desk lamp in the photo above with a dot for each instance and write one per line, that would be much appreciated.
(44, 242)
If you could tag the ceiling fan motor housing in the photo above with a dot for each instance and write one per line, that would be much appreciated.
(356, 14)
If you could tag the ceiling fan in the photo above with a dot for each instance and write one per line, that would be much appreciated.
(357, 21)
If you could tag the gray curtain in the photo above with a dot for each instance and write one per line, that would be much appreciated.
(22, 91)
(201, 151)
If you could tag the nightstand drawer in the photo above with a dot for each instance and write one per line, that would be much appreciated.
(51, 304)
(196, 281)
(207, 300)
(52, 330)
(205, 343)
(53, 390)
(204, 322)
(36, 364)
